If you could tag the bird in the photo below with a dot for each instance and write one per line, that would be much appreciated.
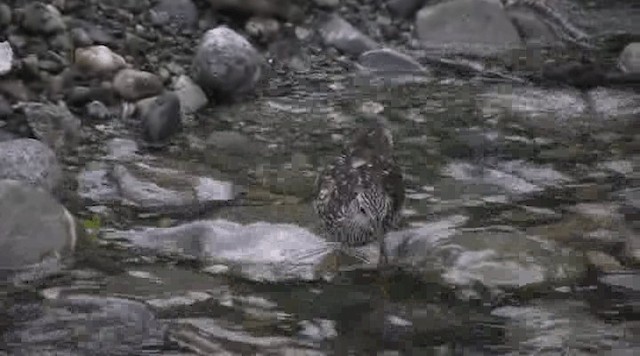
(360, 193)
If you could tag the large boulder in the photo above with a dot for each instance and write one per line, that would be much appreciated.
(226, 63)
(37, 232)
(477, 27)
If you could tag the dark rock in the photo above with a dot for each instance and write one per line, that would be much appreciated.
(80, 37)
(226, 63)
(42, 18)
(134, 84)
(162, 119)
(389, 60)
(175, 15)
(80, 95)
(630, 58)
(53, 124)
(337, 32)
(404, 8)
(477, 27)
(15, 89)
(262, 29)
(284, 9)
(25, 213)
(5, 107)
(232, 142)
(5, 15)
(327, 3)
(30, 161)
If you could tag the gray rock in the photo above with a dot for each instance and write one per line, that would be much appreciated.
(7, 136)
(166, 190)
(404, 8)
(226, 63)
(477, 27)
(97, 110)
(389, 60)
(98, 60)
(30, 161)
(5, 107)
(80, 37)
(175, 14)
(232, 142)
(192, 98)
(629, 60)
(162, 119)
(5, 15)
(533, 29)
(134, 84)
(337, 32)
(629, 281)
(103, 325)
(327, 3)
(262, 29)
(42, 18)
(53, 124)
(6, 57)
(284, 9)
(25, 213)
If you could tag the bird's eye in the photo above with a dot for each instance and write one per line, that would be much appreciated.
(363, 211)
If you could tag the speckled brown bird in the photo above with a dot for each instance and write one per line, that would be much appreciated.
(359, 194)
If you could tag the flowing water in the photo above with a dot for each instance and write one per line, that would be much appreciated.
(511, 191)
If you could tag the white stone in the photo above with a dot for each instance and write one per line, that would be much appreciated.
(6, 57)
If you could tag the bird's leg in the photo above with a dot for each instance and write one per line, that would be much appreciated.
(383, 258)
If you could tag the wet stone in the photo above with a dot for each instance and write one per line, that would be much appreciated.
(25, 212)
(467, 26)
(192, 98)
(389, 60)
(337, 32)
(54, 124)
(175, 15)
(94, 324)
(97, 110)
(98, 60)
(42, 18)
(6, 58)
(404, 8)
(162, 119)
(263, 30)
(134, 84)
(629, 60)
(30, 161)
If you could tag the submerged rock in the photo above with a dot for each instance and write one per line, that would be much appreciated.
(390, 61)
(30, 161)
(26, 253)
(226, 63)
(84, 324)
(479, 27)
